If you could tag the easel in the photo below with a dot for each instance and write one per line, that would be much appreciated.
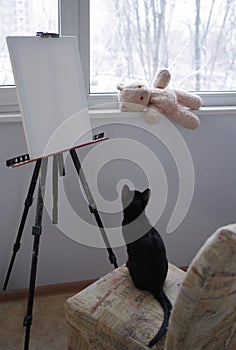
(40, 171)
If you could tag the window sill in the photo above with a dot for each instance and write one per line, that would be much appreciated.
(204, 111)
(111, 113)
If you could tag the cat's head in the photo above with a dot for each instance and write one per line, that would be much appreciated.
(134, 202)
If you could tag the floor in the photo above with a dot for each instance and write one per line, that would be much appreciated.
(48, 331)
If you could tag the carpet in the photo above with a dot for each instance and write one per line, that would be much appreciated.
(48, 331)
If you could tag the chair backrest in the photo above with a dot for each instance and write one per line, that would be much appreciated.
(204, 314)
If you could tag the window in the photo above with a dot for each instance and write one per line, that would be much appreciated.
(129, 39)
(23, 18)
(195, 39)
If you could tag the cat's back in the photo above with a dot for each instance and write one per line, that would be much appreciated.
(147, 261)
(148, 249)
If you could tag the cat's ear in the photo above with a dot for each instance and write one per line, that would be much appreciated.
(146, 194)
(125, 191)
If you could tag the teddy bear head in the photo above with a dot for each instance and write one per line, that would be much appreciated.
(134, 97)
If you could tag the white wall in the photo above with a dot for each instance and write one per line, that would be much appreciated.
(63, 260)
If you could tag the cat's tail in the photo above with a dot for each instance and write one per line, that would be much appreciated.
(166, 305)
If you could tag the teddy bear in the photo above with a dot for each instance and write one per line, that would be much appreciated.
(159, 100)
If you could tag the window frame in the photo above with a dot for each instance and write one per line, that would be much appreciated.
(73, 20)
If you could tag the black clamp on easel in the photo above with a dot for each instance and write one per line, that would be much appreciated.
(40, 171)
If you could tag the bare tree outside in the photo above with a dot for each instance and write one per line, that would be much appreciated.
(131, 39)
(24, 17)
(195, 39)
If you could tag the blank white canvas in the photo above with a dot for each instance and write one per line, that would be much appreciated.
(51, 93)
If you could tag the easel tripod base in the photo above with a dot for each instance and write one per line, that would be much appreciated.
(40, 170)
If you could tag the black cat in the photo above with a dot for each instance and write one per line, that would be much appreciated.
(147, 262)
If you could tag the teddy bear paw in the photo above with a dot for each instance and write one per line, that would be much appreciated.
(151, 116)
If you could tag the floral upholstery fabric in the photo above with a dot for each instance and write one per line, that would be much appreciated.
(204, 314)
(111, 314)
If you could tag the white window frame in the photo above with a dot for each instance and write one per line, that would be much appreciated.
(74, 20)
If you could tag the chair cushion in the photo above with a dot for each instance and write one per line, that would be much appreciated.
(204, 315)
(113, 314)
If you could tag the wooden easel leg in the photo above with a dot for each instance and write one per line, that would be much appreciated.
(92, 206)
(55, 190)
(36, 231)
(61, 164)
(58, 168)
(27, 205)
